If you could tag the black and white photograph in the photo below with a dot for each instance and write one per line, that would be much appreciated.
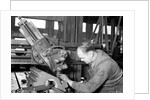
(67, 54)
(74, 50)
(88, 54)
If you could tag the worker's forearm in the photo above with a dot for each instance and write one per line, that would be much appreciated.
(70, 82)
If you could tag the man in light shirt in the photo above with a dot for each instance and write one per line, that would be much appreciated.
(105, 74)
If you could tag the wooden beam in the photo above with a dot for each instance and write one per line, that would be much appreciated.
(26, 52)
(100, 37)
(106, 35)
(89, 30)
(68, 28)
(50, 28)
(76, 29)
(80, 29)
(19, 42)
(99, 22)
(52, 18)
(23, 62)
(65, 24)
(60, 31)
(12, 22)
(79, 21)
(21, 57)
(113, 20)
(114, 41)
(72, 31)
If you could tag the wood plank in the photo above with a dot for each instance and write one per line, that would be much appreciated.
(16, 29)
(60, 31)
(19, 42)
(16, 35)
(52, 18)
(20, 46)
(50, 28)
(72, 29)
(100, 39)
(113, 20)
(25, 63)
(12, 21)
(89, 30)
(75, 45)
(79, 21)
(76, 29)
(20, 57)
(65, 34)
(26, 52)
(26, 44)
(116, 34)
(80, 39)
(68, 28)
(106, 35)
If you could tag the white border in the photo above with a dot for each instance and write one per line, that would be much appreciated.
(5, 4)
(128, 60)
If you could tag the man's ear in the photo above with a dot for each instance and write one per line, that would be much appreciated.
(90, 53)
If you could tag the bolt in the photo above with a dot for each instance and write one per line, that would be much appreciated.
(41, 61)
(35, 54)
(44, 54)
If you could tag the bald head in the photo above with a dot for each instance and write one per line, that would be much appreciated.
(86, 47)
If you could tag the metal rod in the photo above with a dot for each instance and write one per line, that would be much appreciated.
(30, 32)
(28, 29)
(36, 31)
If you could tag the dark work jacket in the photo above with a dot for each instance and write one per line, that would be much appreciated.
(105, 76)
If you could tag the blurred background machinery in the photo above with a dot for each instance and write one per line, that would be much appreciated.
(63, 32)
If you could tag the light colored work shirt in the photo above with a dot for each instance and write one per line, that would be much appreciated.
(105, 76)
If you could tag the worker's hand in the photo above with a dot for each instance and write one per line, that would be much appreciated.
(63, 77)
